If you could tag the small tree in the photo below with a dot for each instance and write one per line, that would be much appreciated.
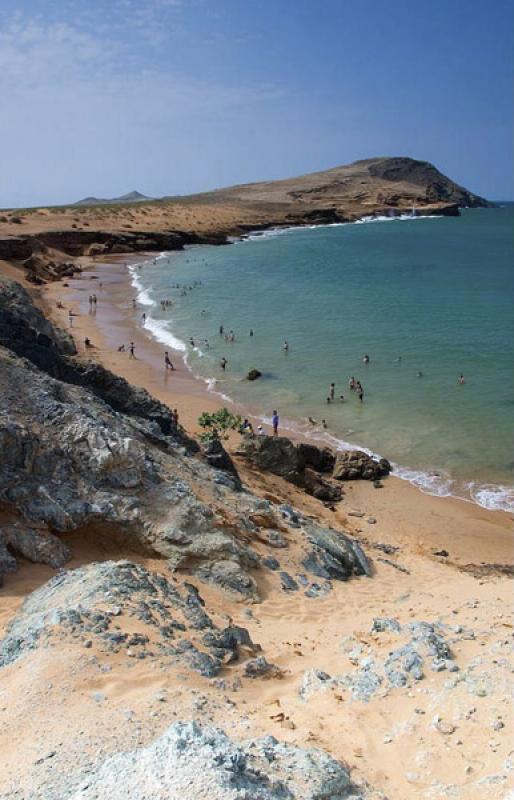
(217, 424)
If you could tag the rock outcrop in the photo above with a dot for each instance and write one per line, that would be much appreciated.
(38, 546)
(124, 607)
(305, 464)
(278, 455)
(190, 761)
(353, 465)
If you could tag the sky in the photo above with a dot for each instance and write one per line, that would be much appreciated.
(100, 97)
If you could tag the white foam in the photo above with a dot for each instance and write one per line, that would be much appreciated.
(142, 295)
(429, 482)
(492, 496)
(162, 333)
(397, 218)
(269, 233)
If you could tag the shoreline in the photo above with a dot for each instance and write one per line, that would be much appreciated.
(487, 494)
(115, 322)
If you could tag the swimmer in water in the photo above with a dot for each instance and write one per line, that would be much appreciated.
(461, 379)
(365, 360)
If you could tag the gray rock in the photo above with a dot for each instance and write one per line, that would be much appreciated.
(313, 681)
(189, 761)
(334, 555)
(288, 583)
(271, 563)
(172, 620)
(316, 590)
(259, 667)
(38, 546)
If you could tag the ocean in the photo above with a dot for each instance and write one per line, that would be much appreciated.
(427, 299)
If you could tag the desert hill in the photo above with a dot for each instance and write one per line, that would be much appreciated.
(42, 240)
(393, 182)
(130, 197)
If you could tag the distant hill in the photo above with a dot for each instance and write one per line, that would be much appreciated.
(130, 197)
(374, 183)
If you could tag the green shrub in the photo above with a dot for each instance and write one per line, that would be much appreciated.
(217, 424)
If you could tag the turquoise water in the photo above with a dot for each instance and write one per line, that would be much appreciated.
(439, 292)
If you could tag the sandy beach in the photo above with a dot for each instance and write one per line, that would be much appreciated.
(436, 559)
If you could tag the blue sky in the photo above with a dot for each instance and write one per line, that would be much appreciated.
(175, 96)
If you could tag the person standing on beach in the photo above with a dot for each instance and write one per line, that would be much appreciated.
(133, 302)
(131, 350)
(275, 422)
(332, 391)
(143, 317)
(167, 362)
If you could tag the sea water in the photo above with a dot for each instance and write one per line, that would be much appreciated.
(428, 299)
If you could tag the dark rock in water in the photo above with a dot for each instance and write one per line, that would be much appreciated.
(334, 555)
(216, 455)
(355, 465)
(288, 583)
(253, 374)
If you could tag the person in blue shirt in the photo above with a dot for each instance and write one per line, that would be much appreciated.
(274, 422)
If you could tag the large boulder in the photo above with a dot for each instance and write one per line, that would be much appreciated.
(190, 761)
(274, 454)
(355, 464)
(320, 459)
(300, 464)
(334, 555)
